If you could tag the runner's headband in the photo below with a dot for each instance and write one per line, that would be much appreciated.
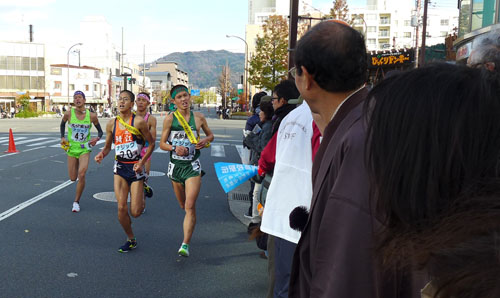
(80, 93)
(144, 96)
(178, 89)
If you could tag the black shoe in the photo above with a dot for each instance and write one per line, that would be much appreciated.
(148, 190)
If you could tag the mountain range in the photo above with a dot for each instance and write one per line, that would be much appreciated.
(205, 67)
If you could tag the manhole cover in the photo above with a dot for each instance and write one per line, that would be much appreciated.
(236, 196)
(107, 196)
(156, 174)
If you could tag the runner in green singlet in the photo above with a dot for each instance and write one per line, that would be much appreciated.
(184, 168)
(80, 122)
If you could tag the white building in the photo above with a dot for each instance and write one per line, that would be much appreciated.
(390, 24)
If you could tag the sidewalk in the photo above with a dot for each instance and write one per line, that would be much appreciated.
(239, 201)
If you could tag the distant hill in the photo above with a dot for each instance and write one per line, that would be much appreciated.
(205, 67)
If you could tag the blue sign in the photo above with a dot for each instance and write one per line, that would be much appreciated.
(232, 175)
(195, 92)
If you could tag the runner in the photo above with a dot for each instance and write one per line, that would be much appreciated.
(180, 136)
(142, 102)
(78, 147)
(128, 132)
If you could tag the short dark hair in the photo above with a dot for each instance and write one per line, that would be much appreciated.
(433, 152)
(335, 55)
(132, 96)
(286, 89)
(256, 99)
(267, 108)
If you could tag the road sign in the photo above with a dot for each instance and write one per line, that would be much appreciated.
(195, 92)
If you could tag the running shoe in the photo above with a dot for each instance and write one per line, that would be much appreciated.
(128, 246)
(184, 250)
(148, 190)
(76, 207)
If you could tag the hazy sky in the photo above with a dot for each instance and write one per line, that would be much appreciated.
(164, 26)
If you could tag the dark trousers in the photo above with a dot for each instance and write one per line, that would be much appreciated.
(283, 255)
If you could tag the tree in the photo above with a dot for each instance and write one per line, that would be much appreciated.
(269, 65)
(340, 10)
(24, 101)
(224, 85)
(208, 96)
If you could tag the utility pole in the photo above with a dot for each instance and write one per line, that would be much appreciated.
(121, 69)
(292, 36)
(144, 68)
(424, 34)
(416, 33)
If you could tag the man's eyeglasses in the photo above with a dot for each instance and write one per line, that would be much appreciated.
(293, 72)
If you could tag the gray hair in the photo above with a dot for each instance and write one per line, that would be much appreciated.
(486, 48)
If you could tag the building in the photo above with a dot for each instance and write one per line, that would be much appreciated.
(84, 78)
(476, 18)
(389, 25)
(161, 83)
(177, 75)
(22, 69)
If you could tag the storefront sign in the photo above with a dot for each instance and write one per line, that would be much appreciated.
(464, 51)
(390, 59)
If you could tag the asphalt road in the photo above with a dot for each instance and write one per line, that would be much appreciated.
(48, 251)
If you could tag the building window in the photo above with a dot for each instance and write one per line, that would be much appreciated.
(40, 64)
(3, 62)
(385, 20)
(407, 34)
(11, 63)
(407, 23)
(25, 63)
(3, 82)
(483, 13)
(383, 33)
(443, 33)
(96, 88)
(86, 87)
(71, 87)
(33, 63)
(464, 22)
(371, 41)
(57, 71)
(372, 29)
(10, 82)
(97, 74)
(57, 85)
(371, 17)
(445, 22)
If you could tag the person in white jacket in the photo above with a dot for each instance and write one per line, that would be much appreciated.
(291, 186)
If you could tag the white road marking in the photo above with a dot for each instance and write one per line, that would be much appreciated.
(6, 142)
(217, 150)
(44, 142)
(15, 209)
(29, 141)
(8, 154)
(36, 148)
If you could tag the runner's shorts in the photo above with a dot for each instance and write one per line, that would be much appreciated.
(126, 171)
(77, 149)
(180, 172)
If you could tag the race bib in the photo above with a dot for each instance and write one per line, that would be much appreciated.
(128, 151)
(179, 138)
(79, 132)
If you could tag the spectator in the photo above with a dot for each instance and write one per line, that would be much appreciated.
(256, 141)
(334, 257)
(249, 126)
(282, 93)
(433, 157)
(486, 52)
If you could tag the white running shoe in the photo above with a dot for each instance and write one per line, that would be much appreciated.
(76, 207)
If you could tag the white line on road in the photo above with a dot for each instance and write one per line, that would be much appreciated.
(8, 154)
(36, 148)
(52, 140)
(5, 142)
(29, 141)
(32, 201)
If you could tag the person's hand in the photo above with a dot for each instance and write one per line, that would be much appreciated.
(181, 151)
(64, 141)
(201, 143)
(138, 167)
(99, 157)
(93, 141)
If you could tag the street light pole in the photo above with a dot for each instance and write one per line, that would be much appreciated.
(76, 44)
(246, 67)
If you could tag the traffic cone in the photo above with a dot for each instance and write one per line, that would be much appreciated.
(12, 145)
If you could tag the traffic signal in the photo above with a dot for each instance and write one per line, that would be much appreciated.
(131, 80)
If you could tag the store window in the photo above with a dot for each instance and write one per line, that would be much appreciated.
(483, 13)
(56, 71)
(3, 62)
(464, 21)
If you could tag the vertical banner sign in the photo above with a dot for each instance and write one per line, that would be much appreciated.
(232, 175)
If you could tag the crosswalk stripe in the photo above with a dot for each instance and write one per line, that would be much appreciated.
(44, 142)
(5, 142)
(30, 141)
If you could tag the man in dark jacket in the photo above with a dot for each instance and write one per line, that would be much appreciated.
(335, 254)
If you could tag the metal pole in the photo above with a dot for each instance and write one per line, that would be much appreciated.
(247, 88)
(416, 33)
(424, 34)
(76, 44)
(144, 68)
(292, 41)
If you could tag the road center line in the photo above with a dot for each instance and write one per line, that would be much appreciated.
(32, 201)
